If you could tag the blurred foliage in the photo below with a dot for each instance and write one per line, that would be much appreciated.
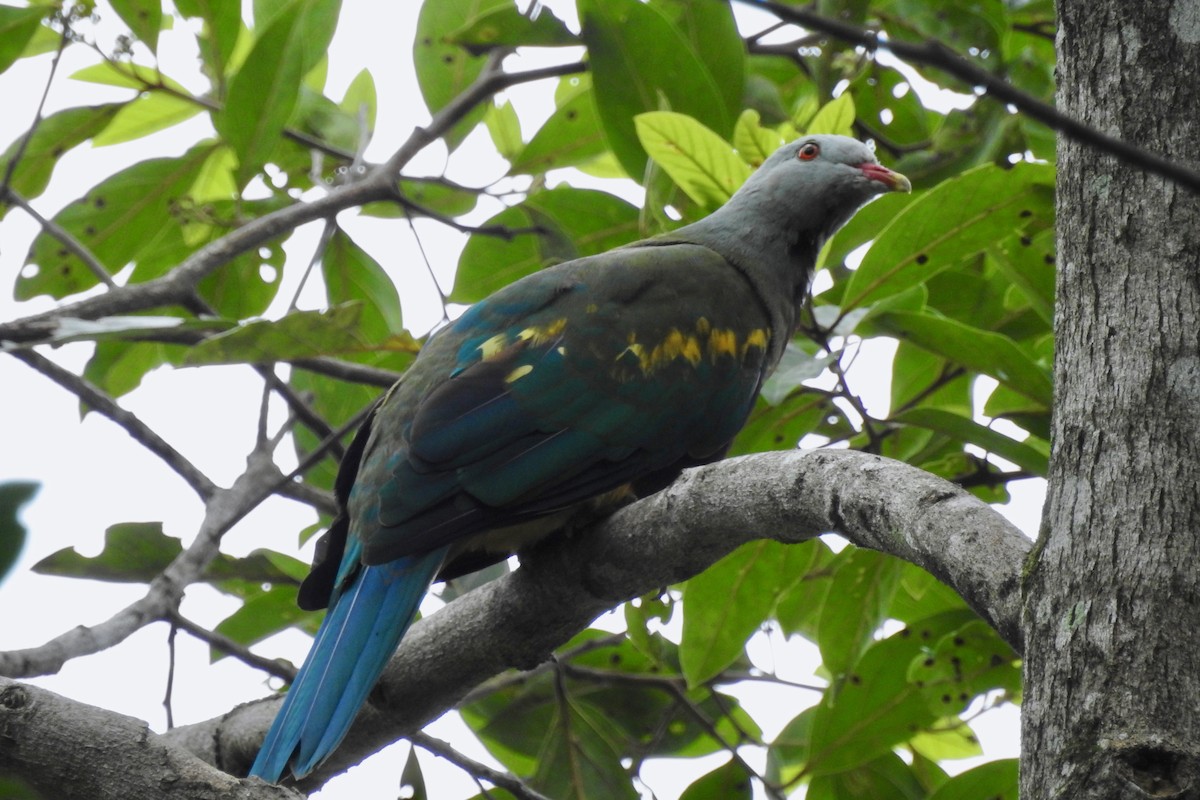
(954, 282)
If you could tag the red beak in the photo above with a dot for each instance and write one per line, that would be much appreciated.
(894, 181)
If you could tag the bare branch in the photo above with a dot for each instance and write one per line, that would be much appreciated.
(176, 287)
(11, 169)
(271, 666)
(515, 786)
(222, 511)
(518, 620)
(64, 237)
(73, 751)
(140, 431)
(934, 53)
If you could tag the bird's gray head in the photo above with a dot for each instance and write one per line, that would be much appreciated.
(816, 183)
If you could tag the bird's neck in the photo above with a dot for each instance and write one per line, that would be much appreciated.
(777, 263)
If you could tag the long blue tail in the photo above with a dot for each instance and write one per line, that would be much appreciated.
(360, 632)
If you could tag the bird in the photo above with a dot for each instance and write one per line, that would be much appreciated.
(594, 378)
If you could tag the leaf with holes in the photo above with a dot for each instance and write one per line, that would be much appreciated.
(117, 220)
(957, 218)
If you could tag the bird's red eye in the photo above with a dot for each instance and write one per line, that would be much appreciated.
(809, 151)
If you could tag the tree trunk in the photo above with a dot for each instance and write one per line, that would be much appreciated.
(1112, 669)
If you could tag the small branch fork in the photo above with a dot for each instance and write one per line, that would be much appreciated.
(262, 479)
(934, 53)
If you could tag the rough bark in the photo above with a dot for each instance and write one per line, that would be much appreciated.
(518, 620)
(1112, 660)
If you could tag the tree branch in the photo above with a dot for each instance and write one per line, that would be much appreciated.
(933, 53)
(234, 649)
(518, 620)
(73, 751)
(176, 287)
(222, 511)
(442, 749)
(64, 237)
(140, 431)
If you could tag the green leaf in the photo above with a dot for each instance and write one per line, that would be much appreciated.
(864, 227)
(884, 777)
(222, 24)
(950, 739)
(774, 427)
(753, 142)
(727, 782)
(264, 92)
(795, 367)
(963, 663)
(983, 351)
(836, 116)
(136, 552)
(444, 70)
(301, 334)
(505, 26)
(569, 223)
(641, 62)
(570, 136)
(12, 788)
(117, 368)
(1026, 456)
(726, 603)
(336, 401)
(247, 284)
(567, 748)
(875, 707)
(798, 608)
(412, 781)
(1028, 263)
(17, 26)
(360, 98)
(862, 589)
(13, 495)
(920, 595)
(958, 218)
(144, 18)
(54, 136)
(488, 263)
(996, 780)
(352, 276)
(128, 75)
(904, 118)
(117, 220)
(260, 616)
(144, 115)
(699, 161)
(437, 197)
(712, 32)
(505, 129)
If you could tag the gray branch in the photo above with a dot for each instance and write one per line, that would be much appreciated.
(66, 749)
(518, 620)
(222, 510)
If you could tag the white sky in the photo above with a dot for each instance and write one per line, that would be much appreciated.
(93, 475)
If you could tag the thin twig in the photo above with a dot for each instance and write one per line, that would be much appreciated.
(934, 53)
(773, 790)
(64, 237)
(11, 169)
(505, 781)
(222, 511)
(140, 431)
(176, 287)
(170, 678)
(499, 231)
(220, 641)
